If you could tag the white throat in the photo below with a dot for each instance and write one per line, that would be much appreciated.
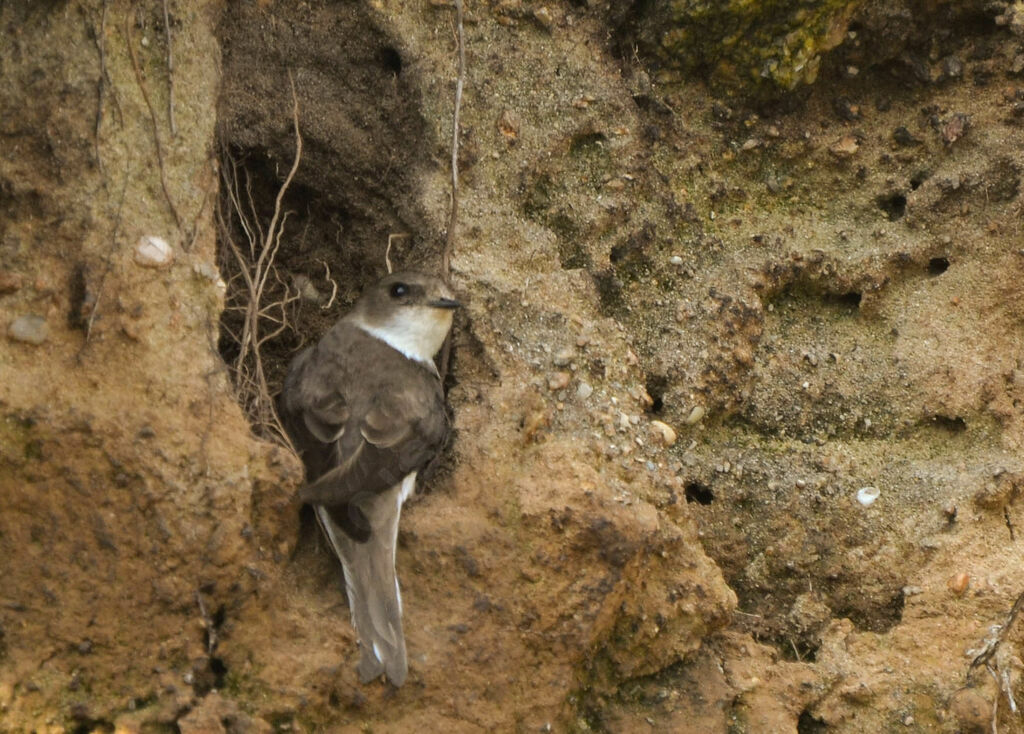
(418, 332)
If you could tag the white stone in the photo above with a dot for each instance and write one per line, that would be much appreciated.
(665, 432)
(153, 252)
(867, 495)
(30, 329)
(695, 415)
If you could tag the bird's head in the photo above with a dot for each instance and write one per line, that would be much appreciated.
(410, 311)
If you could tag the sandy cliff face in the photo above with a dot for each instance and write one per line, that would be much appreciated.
(694, 333)
(136, 506)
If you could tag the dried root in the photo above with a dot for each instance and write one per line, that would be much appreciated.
(999, 660)
(449, 245)
(256, 289)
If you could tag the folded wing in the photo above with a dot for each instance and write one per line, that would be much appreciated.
(358, 444)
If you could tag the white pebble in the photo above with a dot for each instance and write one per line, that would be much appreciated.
(584, 390)
(563, 357)
(153, 252)
(867, 495)
(695, 415)
(676, 260)
(30, 329)
(665, 432)
(210, 272)
(206, 270)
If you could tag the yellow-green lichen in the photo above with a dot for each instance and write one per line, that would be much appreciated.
(756, 46)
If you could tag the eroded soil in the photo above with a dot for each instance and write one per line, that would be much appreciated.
(815, 295)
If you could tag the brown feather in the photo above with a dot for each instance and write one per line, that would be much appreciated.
(366, 417)
(361, 415)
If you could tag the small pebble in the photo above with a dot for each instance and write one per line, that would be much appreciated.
(30, 329)
(543, 16)
(675, 260)
(958, 584)
(867, 495)
(563, 357)
(559, 381)
(153, 252)
(844, 147)
(508, 125)
(206, 270)
(584, 390)
(955, 128)
(695, 415)
(665, 432)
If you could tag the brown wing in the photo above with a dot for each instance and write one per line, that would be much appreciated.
(377, 452)
(363, 424)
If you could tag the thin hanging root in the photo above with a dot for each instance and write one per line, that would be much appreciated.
(170, 75)
(460, 81)
(334, 283)
(449, 245)
(989, 658)
(387, 253)
(255, 266)
(152, 118)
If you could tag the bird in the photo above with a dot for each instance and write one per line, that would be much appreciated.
(365, 409)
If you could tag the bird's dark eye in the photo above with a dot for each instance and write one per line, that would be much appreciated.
(398, 290)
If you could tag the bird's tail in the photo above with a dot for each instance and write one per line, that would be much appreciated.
(371, 584)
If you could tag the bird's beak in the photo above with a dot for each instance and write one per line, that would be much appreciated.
(446, 303)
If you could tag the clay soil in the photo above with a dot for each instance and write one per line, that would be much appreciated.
(699, 332)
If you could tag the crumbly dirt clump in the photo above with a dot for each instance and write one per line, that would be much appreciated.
(737, 390)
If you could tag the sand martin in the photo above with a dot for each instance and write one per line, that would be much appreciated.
(365, 409)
